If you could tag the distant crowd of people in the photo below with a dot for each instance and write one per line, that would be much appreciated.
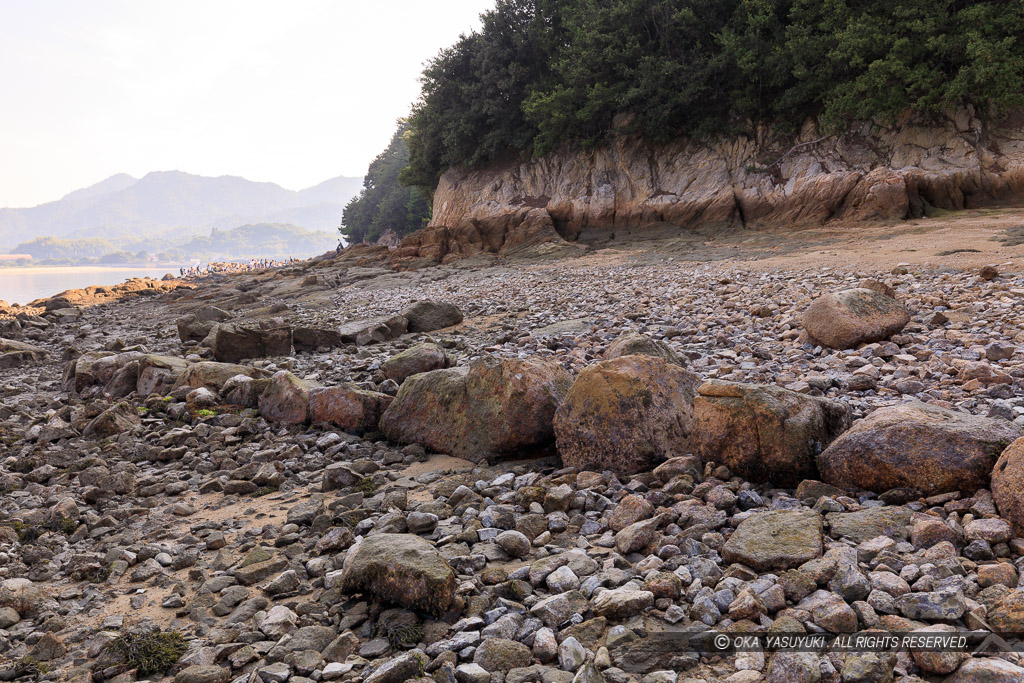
(236, 267)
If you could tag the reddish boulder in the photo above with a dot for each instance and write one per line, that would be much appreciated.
(1008, 485)
(918, 446)
(353, 410)
(286, 399)
(765, 433)
(844, 319)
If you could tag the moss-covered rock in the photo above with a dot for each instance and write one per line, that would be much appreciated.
(626, 415)
(778, 539)
(420, 358)
(490, 410)
(400, 568)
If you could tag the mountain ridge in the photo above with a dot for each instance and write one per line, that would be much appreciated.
(123, 205)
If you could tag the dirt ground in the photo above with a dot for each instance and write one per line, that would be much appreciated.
(960, 240)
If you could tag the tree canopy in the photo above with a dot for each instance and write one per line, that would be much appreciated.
(385, 204)
(541, 73)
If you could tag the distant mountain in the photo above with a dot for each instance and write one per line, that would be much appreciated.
(123, 207)
(263, 240)
(114, 183)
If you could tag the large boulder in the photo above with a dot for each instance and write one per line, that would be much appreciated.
(363, 332)
(194, 327)
(97, 368)
(1008, 485)
(232, 342)
(918, 446)
(775, 540)
(158, 374)
(313, 338)
(427, 316)
(401, 568)
(121, 417)
(489, 410)
(420, 358)
(633, 344)
(286, 399)
(352, 409)
(14, 354)
(243, 390)
(626, 415)
(213, 375)
(765, 433)
(844, 319)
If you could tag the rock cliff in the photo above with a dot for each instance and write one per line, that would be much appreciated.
(872, 172)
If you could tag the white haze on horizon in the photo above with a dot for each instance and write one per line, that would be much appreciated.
(292, 93)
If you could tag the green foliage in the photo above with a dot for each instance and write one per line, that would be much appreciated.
(27, 533)
(384, 203)
(57, 248)
(404, 635)
(366, 486)
(150, 653)
(31, 667)
(541, 73)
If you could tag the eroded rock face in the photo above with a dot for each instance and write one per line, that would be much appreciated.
(626, 415)
(765, 433)
(121, 417)
(401, 568)
(874, 173)
(306, 338)
(489, 410)
(844, 319)
(917, 446)
(1008, 485)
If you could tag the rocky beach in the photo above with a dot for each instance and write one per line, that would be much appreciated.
(555, 465)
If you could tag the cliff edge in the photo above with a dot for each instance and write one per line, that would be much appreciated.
(870, 173)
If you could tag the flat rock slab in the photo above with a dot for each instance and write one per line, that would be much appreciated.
(779, 539)
(864, 525)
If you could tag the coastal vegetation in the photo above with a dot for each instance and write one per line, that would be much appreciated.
(384, 204)
(543, 73)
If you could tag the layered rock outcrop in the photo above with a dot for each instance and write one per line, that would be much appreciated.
(872, 172)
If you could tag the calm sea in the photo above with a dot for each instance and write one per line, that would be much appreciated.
(22, 285)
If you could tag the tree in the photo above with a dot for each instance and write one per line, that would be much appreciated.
(384, 204)
(540, 74)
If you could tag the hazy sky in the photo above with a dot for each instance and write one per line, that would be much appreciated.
(288, 91)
